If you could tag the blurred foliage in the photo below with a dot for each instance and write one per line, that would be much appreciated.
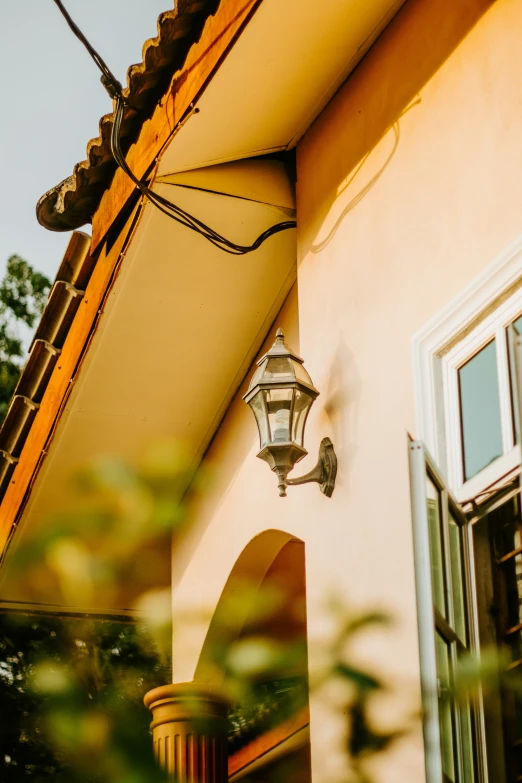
(72, 689)
(23, 294)
(71, 694)
(116, 545)
(362, 688)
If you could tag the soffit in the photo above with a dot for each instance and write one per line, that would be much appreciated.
(279, 74)
(283, 69)
(180, 328)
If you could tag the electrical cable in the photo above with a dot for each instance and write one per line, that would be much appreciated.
(169, 208)
(176, 212)
(109, 81)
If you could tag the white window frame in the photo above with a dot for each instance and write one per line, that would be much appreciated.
(491, 327)
(467, 323)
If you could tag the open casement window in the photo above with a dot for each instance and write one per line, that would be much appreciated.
(453, 732)
(467, 520)
(481, 412)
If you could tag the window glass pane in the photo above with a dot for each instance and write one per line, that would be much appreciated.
(457, 580)
(480, 411)
(507, 529)
(512, 332)
(512, 570)
(437, 567)
(466, 728)
(505, 523)
(445, 708)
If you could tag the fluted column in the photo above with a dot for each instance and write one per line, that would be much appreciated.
(189, 727)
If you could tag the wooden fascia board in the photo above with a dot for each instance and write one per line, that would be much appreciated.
(203, 59)
(62, 379)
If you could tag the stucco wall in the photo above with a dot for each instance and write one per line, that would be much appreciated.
(408, 186)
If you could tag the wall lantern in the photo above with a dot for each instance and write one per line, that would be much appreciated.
(281, 394)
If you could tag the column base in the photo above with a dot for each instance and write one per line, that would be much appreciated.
(190, 731)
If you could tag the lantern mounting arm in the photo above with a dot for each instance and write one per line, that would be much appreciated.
(324, 472)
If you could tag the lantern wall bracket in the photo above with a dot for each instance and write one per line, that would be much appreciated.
(325, 471)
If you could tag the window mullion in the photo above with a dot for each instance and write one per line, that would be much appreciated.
(447, 558)
(517, 374)
(437, 631)
(453, 424)
(451, 633)
(506, 410)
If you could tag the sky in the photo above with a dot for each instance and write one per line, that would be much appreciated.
(52, 101)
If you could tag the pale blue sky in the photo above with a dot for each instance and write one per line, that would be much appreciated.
(52, 100)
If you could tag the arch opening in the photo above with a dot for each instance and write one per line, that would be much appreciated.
(256, 647)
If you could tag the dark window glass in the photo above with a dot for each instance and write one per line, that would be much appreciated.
(503, 607)
(480, 411)
(447, 737)
(435, 533)
(457, 579)
(467, 740)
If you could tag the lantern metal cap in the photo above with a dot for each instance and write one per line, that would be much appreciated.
(263, 378)
(280, 348)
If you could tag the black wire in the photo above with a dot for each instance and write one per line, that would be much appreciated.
(108, 78)
(179, 214)
(114, 88)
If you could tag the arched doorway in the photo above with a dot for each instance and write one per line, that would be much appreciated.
(256, 643)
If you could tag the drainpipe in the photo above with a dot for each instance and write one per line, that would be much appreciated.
(189, 730)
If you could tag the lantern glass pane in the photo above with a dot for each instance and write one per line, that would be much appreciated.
(301, 374)
(256, 378)
(279, 403)
(277, 368)
(258, 407)
(302, 404)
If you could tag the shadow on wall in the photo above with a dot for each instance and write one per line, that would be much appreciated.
(384, 86)
(340, 408)
(396, 133)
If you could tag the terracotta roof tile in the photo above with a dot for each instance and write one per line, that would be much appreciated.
(72, 203)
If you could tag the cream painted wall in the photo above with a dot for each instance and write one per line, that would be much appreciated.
(408, 186)
(240, 501)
